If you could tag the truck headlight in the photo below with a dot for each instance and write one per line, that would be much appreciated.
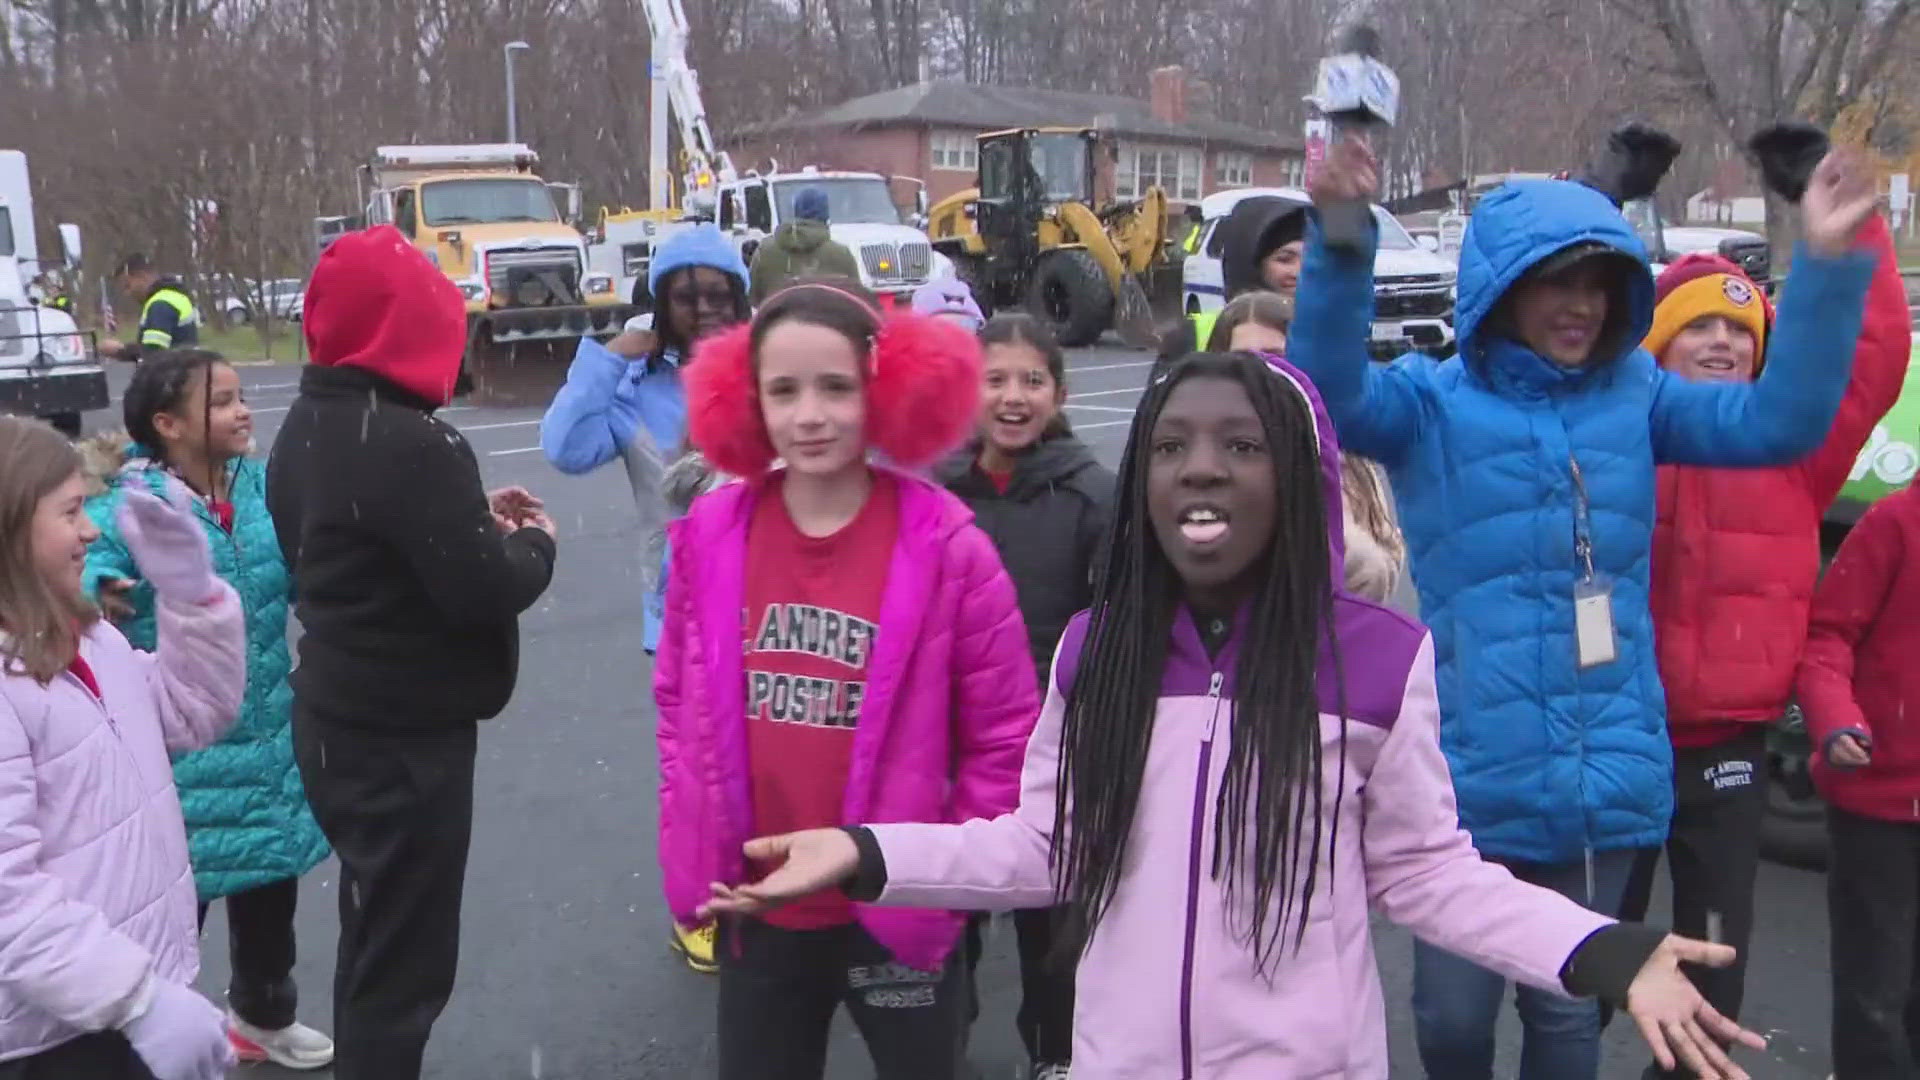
(599, 284)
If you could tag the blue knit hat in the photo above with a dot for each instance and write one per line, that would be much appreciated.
(696, 245)
(811, 205)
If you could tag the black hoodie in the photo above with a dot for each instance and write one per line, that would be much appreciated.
(1252, 231)
(1048, 527)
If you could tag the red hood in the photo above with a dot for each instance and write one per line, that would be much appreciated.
(377, 304)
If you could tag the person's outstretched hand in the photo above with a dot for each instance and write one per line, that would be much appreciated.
(815, 859)
(1349, 173)
(1678, 1024)
(1839, 199)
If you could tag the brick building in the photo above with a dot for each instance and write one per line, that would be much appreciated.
(927, 131)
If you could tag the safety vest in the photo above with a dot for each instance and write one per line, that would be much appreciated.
(1203, 327)
(185, 325)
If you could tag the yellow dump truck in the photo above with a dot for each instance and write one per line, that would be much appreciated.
(501, 233)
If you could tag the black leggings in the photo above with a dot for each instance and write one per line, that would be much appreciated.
(780, 988)
(260, 942)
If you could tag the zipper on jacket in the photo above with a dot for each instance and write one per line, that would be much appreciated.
(1195, 836)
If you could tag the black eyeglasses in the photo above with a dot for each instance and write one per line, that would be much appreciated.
(718, 299)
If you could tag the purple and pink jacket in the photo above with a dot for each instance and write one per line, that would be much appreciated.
(951, 698)
(1167, 986)
(96, 897)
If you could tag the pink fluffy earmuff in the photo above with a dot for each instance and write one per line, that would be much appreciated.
(923, 393)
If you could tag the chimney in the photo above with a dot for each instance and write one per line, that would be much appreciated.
(1167, 94)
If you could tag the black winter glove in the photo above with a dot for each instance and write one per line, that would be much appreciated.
(1788, 152)
(1636, 158)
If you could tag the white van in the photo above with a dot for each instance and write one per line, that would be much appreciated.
(1413, 288)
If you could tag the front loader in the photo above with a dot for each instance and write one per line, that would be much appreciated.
(1027, 235)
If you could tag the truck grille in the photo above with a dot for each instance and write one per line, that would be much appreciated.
(1753, 256)
(532, 272)
(1411, 298)
(883, 262)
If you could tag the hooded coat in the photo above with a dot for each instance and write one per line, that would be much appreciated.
(635, 410)
(408, 593)
(1253, 229)
(1551, 759)
(1167, 986)
(247, 818)
(1048, 526)
(1737, 551)
(798, 249)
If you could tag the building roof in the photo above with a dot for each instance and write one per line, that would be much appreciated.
(948, 103)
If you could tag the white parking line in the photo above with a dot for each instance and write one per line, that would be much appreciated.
(1104, 393)
(496, 427)
(1103, 423)
(510, 453)
(1072, 370)
(289, 405)
(1099, 408)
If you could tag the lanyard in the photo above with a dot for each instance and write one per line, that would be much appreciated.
(1582, 524)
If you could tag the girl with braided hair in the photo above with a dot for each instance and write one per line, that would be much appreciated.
(250, 831)
(1235, 748)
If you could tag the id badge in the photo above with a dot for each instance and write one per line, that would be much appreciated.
(1593, 621)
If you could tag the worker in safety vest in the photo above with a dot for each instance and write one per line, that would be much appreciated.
(168, 319)
(1261, 244)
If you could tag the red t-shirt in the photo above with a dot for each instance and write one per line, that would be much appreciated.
(1000, 480)
(813, 607)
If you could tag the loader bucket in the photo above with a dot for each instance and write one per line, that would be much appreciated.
(1133, 315)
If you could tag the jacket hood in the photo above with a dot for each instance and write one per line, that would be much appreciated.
(802, 234)
(377, 304)
(1252, 230)
(1524, 222)
(1052, 462)
(697, 245)
(1329, 447)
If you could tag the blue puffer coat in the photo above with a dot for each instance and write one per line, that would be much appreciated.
(1549, 760)
(248, 823)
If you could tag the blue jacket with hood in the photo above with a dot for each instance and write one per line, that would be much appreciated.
(1550, 760)
(636, 410)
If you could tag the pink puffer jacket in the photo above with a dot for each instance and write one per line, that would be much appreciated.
(96, 896)
(951, 698)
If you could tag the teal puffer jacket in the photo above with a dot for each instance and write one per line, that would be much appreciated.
(248, 823)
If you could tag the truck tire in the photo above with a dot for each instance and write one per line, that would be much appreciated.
(1071, 295)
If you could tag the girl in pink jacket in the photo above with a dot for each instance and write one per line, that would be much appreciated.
(98, 947)
(840, 645)
(1244, 759)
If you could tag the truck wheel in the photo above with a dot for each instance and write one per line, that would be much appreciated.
(66, 423)
(1071, 295)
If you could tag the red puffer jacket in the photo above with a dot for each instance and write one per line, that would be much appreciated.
(1736, 552)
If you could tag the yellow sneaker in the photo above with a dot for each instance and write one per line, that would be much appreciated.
(696, 945)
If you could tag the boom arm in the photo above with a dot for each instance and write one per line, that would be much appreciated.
(707, 164)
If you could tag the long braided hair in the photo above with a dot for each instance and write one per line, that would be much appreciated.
(1269, 816)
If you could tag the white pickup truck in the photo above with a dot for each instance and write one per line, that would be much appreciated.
(47, 367)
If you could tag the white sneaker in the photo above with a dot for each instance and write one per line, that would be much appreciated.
(295, 1046)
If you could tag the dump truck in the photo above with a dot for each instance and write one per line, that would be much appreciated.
(48, 368)
(505, 236)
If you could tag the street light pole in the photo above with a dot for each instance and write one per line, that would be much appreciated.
(513, 118)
